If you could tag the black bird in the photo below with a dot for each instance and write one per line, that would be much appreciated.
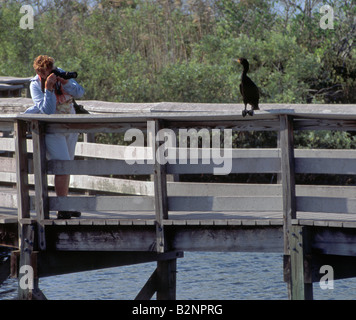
(248, 89)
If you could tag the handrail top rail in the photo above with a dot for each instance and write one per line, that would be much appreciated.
(104, 111)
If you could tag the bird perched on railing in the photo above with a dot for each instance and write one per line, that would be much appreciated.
(248, 89)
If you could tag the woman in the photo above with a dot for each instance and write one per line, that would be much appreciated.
(54, 95)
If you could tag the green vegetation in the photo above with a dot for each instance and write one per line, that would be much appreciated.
(175, 50)
(159, 50)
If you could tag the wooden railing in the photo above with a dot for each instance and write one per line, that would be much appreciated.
(97, 163)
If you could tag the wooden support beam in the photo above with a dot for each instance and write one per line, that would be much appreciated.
(334, 241)
(160, 189)
(166, 279)
(23, 199)
(300, 281)
(27, 272)
(41, 184)
(342, 267)
(286, 144)
(288, 176)
(39, 163)
(149, 289)
(51, 263)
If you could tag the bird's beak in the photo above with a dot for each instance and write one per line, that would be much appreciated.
(238, 60)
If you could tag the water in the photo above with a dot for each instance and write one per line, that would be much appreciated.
(201, 276)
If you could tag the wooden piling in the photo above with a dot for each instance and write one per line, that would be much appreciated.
(300, 269)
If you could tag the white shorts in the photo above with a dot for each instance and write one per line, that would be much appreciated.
(61, 146)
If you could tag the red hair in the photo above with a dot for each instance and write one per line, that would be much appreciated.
(43, 63)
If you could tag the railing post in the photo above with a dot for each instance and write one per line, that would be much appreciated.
(160, 189)
(41, 185)
(23, 199)
(288, 186)
(166, 270)
(27, 273)
(288, 174)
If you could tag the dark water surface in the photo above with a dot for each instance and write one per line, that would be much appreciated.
(201, 276)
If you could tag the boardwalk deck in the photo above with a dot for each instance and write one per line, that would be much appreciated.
(130, 220)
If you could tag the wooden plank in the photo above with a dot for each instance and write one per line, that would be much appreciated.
(108, 151)
(225, 204)
(326, 204)
(6, 126)
(257, 125)
(104, 127)
(9, 87)
(325, 166)
(97, 167)
(9, 200)
(39, 161)
(112, 185)
(231, 238)
(121, 167)
(187, 204)
(14, 80)
(334, 241)
(23, 204)
(8, 144)
(40, 176)
(325, 124)
(102, 203)
(304, 110)
(160, 190)
(8, 164)
(104, 238)
(288, 178)
(247, 165)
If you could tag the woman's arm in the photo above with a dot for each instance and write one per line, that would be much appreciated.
(44, 102)
(73, 88)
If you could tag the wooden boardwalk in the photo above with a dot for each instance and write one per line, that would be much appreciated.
(141, 211)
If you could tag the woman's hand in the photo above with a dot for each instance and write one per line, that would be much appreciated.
(51, 81)
(62, 81)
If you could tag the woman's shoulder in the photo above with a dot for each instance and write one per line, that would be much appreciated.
(35, 78)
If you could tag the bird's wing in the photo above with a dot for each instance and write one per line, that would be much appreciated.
(251, 89)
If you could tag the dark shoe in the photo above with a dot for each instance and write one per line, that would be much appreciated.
(64, 215)
(75, 214)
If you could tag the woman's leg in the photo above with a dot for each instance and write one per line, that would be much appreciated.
(61, 185)
(58, 148)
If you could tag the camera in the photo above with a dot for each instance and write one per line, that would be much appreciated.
(64, 74)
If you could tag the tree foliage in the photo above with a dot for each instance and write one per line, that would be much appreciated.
(159, 50)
